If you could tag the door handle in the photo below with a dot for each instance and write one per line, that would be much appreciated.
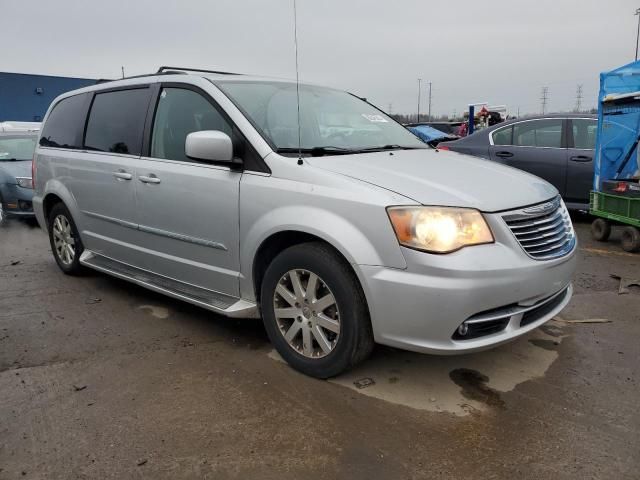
(504, 154)
(122, 175)
(580, 158)
(151, 178)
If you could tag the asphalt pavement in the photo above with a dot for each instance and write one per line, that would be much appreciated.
(100, 379)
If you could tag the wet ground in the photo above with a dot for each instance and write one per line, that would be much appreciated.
(103, 379)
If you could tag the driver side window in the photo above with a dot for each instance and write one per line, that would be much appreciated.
(179, 113)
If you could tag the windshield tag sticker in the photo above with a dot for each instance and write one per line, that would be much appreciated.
(375, 118)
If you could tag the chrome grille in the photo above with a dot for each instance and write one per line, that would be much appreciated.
(543, 231)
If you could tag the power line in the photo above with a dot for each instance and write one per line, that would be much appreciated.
(544, 99)
(579, 96)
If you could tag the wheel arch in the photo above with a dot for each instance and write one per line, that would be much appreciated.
(56, 192)
(274, 230)
(48, 203)
(277, 242)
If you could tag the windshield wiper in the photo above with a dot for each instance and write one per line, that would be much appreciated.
(318, 151)
(331, 150)
(388, 147)
(9, 160)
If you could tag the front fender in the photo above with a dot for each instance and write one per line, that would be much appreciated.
(341, 233)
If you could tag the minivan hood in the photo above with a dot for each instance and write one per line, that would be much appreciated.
(438, 177)
(20, 168)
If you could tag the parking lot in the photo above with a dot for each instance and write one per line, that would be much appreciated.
(103, 379)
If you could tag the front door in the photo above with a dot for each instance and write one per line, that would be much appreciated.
(102, 180)
(535, 146)
(188, 210)
(582, 144)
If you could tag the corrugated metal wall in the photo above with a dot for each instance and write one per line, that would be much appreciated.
(25, 97)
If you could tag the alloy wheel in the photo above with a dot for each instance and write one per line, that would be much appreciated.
(63, 240)
(306, 313)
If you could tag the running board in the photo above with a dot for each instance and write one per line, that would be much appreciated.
(214, 301)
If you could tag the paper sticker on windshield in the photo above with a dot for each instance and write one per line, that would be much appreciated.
(375, 118)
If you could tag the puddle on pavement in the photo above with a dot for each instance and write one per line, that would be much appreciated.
(473, 386)
(155, 311)
(456, 384)
(543, 343)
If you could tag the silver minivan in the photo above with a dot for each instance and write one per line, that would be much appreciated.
(303, 205)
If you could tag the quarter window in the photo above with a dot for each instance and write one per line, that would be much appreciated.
(538, 133)
(64, 125)
(502, 136)
(179, 113)
(116, 121)
(584, 133)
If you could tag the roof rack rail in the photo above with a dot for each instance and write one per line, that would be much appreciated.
(106, 80)
(164, 69)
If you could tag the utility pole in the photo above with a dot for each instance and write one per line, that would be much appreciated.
(390, 109)
(419, 88)
(122, 68)
(637, 14)
(518, 114)
(578, 99)
(544, 99)
(429, 115)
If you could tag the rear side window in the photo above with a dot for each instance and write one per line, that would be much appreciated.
(584, 133)
(538, 133)
(116, 121)
(63, 128)
(502, 136)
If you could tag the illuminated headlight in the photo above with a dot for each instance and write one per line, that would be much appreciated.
(439, 229)
(25, 182)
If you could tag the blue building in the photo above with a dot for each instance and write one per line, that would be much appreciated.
(25, 97)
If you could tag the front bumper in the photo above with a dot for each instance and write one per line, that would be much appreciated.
(422, 307)
(17, 201)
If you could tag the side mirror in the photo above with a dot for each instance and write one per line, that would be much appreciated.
(209, 145)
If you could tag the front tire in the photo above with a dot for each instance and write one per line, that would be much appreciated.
(314, 310)
(65, 240)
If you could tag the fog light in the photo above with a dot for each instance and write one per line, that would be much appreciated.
(463, 329)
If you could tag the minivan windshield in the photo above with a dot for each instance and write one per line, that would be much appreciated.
(17, 148)
(331, 121)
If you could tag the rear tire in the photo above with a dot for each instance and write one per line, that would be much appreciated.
(338, 328)
(65, 241)
(600, 229)
(630, 239)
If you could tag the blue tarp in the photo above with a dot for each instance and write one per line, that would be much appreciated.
(618, 125)
(427, 133)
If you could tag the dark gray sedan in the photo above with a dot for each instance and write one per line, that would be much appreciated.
(558, 148)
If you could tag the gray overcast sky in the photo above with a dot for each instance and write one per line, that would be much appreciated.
(500, 51)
